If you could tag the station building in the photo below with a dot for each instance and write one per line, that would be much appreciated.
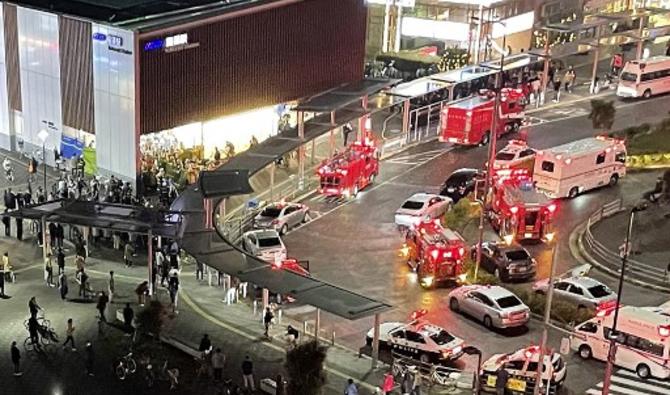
(108, 77)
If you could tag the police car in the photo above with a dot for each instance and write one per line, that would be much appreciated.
(521, 366)
(418, 339)
(516, 155)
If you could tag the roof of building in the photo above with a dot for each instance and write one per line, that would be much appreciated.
(141, 14)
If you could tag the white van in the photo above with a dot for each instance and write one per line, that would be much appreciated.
(570, 169)
(645, 77)
(643, 339)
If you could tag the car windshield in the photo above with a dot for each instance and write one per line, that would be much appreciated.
(504, 156)
(508, 301)
(600, 291)
(516, 255)
(631, 77)
(269, 242)
(272, 212)
(413, 205)
(442, 338)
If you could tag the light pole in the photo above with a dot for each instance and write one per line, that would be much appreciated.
(611, 355)
(43, 135)
(547, 317)
(492, 153)
(470, 350)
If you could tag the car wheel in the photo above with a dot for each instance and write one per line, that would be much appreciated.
(487, 322)
(647, 94)
(306, 217)
(368, 341)
(643, 371)
(515, 127)
(573, 192)
(585, 352)
(453, 304)
(355, 191)
(485, 138)
(614, 180)
(283, 229)
(424, 358)
(372, 178)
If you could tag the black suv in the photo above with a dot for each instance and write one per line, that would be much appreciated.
(462, 182)
(506, 262)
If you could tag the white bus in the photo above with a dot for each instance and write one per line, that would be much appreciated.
(573, 168)
(645, 77)
(643, 339)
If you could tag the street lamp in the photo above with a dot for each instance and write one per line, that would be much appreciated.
(43, 135)
(470, 350)
(492, 151)
(611, 355)
(547, 316)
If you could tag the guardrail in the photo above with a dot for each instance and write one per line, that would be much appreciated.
(611, 258)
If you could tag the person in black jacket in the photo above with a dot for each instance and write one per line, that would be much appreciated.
(19, 229)
(7, 222)
(16, 359)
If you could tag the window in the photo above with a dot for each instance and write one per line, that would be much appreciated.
(515, 365)
(272, 212)
(442, 338)
(398, 334)
(505, 156)
(412, 205)
(646, 77)
(548, 166)
(589, 327)
(508, 301)
(485, 299)
(562, 286)
(527, 152)
(576, 290)
(642, 344)
(600, 158)
(599, 291)
(630, 77)
(414, 337)
(269, 242)
(620, 157)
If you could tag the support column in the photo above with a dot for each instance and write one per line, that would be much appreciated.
(478, 40)
(313, 151)
(545, 72)
(301, 150)
(87, 232)
(45, 247)
(362, 119)
(405, 119)
(375, 342)
(596, 58)
(150, 263)
(207, 215)
(273, 166)
(640, 30)
(317, 324)
(266, 301)
(331, 138)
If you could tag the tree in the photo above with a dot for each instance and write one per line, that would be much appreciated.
(304, 366)
(602, 114)
(151, 319)
(460, 215)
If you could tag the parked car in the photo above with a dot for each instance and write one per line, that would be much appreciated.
(461, 183)
(494, 306)
(281, 216)
(420, 207)
(265, 244)
(506, 262)
(581, 290)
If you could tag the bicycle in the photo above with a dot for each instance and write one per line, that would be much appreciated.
(125, 366)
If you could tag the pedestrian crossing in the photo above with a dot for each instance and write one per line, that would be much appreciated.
(625, 382)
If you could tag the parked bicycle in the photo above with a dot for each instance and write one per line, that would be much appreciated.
(125, 366)
(430, 374)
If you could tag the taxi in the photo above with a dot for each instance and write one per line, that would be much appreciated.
(522, 368)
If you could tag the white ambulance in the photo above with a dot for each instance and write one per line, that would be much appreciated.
(643, 340)
(645, 77)
(573, 168)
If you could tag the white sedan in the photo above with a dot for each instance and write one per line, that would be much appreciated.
(494, 306)
(265, 244)
(420, 207)
(281, 216)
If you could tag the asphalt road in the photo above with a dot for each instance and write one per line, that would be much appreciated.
(355, 244)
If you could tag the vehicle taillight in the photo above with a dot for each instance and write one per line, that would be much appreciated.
(434, 254)
(664, 330)
(461, 252)
(551, 208)
(275, 221)
(514, 209)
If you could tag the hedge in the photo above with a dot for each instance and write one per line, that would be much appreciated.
(562, 311)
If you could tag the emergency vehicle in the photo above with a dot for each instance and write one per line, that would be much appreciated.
(292, 265)
(573, 168)
(468, 121)
(515, 155)
(435, 253)
(522, 368)
(346, 173)
(418, 339)
(518, 211)
(642, 334)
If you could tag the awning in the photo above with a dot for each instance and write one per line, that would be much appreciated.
(344, 95)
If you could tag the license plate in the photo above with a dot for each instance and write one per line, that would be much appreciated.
(452, 140)
(516, 385)
(491, 381)
(528, 235)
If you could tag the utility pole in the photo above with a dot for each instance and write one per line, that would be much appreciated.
(547, 317)
(545, 72)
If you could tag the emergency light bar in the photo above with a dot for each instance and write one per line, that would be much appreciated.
(417, 314)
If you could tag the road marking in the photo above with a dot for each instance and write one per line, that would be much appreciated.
(625, 382)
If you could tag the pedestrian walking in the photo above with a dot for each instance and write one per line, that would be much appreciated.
(102, 305)
(110, 286)
(2, 280)
(164, 268)
(407, 383)
(90, 358)
(60, 235)
(83, 284)
(351, 388)
(248, 374)
(16, 359)
(52, 233)
(346, 131)
(218, 362)
(199, 271)
(128, 254)
(173, 289)
(60, 259)
(69, 335)
(142, 290)
(33, 307)
(7, 221)
(128, 315)
(48, 270)
(267, 321)
(62, 286)
(205, 346)
(569, 79)
(557, 88)
(502, 376)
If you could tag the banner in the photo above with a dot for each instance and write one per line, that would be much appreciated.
(70, 147)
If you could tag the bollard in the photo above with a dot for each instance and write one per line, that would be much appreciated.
(332, 339)
(304, 327)
(255, 307)
(279, 314)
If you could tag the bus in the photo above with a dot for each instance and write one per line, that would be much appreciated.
(645, 77)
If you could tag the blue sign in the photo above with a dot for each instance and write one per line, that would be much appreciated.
(100, 36)
(154, 45)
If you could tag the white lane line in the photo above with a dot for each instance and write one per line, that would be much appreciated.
(635, 376)
(622, 390)
(639, 384)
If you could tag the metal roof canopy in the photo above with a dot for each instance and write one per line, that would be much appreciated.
(344, 95)
(111, 216)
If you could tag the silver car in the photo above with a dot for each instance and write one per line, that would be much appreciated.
(585, 292)
(265, 244)
(493, 305)
(281, 216)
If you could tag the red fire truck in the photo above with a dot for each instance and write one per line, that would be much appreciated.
(468, 121)
(435, 253)
(348, 172)
(518, 211)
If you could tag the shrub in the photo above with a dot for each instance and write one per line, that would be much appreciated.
(483, 277)
(461, 214)
(602, 114)
(304, 365)
(561, 311)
